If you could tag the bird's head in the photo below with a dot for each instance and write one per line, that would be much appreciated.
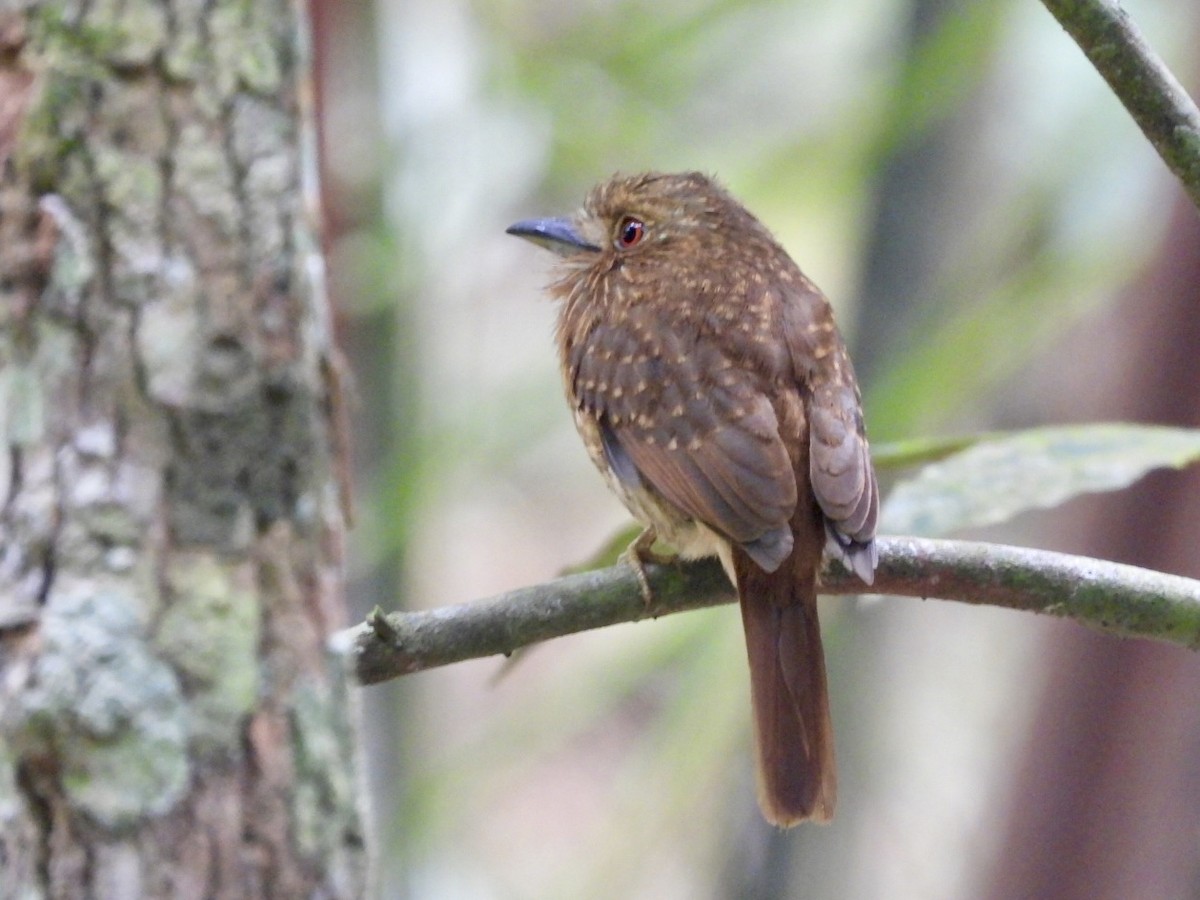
(652, 222)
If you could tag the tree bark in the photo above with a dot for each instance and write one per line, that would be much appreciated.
(171, 506)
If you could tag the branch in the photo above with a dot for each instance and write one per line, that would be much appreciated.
(1120, 599)
(1142, 82)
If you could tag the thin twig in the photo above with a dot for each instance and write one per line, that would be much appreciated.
(1116, 598)
(1142, 82)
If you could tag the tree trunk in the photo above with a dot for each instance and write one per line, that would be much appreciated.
(1105, 802)
(171, 513)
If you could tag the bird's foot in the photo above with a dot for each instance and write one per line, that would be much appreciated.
(638, 554)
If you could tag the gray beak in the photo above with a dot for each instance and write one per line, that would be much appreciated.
(557, 235)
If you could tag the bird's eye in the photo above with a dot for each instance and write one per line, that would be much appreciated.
(630, 232)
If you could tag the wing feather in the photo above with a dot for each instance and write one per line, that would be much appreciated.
(680, 418)
(840, 471)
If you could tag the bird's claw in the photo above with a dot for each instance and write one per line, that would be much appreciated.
(637, 555)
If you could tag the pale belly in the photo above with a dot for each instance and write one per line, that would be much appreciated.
(690, 538)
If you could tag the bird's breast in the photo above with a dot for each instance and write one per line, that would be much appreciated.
(690, 538)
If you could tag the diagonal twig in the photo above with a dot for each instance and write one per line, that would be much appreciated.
(1140, 79)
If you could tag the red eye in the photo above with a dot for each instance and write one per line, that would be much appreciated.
(630, 232)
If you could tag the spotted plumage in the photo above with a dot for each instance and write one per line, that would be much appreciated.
(713, 390)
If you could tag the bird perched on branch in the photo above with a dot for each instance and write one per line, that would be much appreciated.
(714, 392)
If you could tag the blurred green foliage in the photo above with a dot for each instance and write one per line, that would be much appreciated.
(1000, 476)
(619, 766)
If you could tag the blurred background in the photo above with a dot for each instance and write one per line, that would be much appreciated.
(1004, 250)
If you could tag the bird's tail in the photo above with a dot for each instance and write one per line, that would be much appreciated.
(797, 774)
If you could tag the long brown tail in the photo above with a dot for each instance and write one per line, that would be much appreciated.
(797, 774)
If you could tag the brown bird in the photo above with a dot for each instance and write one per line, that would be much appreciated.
(713, 390)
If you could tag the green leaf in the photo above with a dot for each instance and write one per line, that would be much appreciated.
(1004, 475)
(915, 451)
(608, 553)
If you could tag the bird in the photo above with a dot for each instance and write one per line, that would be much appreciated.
(713, 390)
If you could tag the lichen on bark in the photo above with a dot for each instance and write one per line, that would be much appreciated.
(169, 511)
(111, 714)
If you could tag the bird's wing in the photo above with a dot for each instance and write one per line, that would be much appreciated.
(840, 471)
(677, 417)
